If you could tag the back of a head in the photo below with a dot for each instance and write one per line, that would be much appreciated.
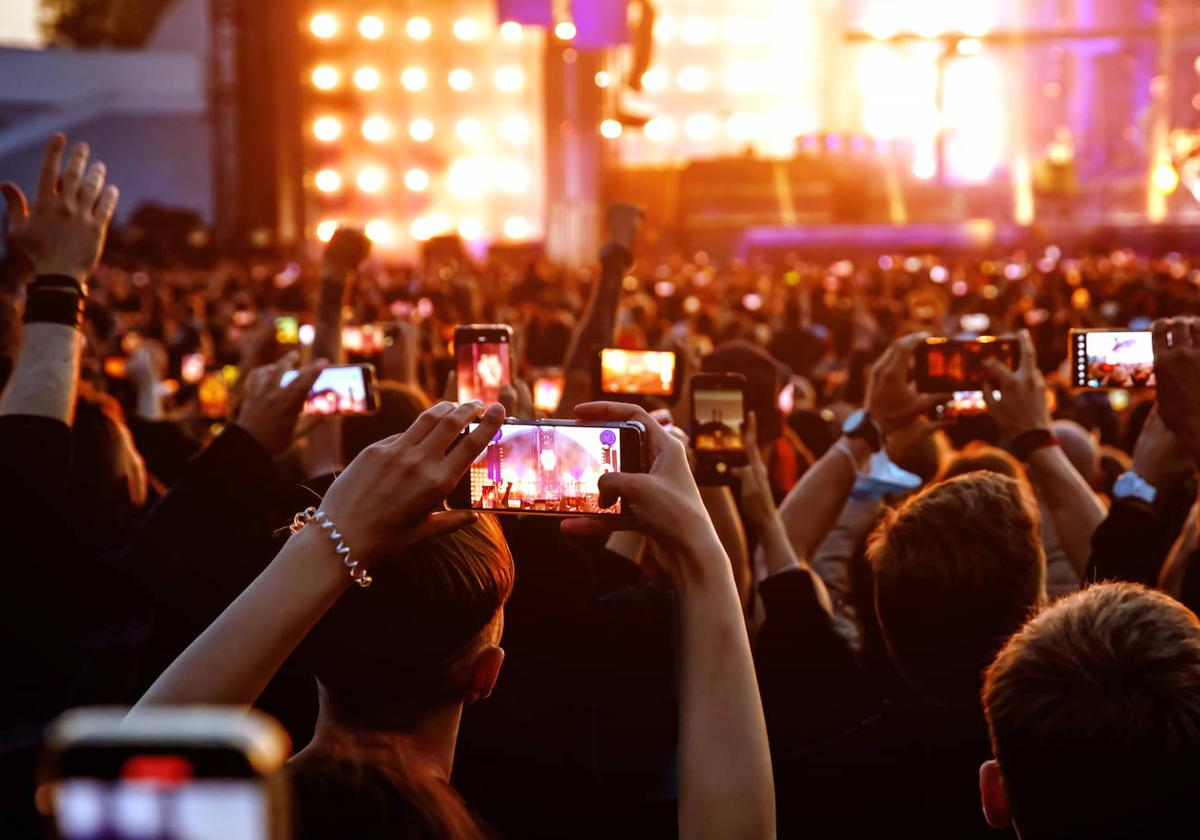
(1094, 711)
(399, 406)
(387, 655)
(980, 456)
(958, 569)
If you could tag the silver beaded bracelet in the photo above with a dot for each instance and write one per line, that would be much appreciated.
(311, 514)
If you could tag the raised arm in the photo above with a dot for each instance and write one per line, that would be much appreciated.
(1023, 416)
(383, 502)
(725, 784)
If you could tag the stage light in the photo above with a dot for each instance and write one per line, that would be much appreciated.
(700, 126)
(970, 46)
(743, 30)
(516, 227)
(371, 27)
(698, 30)
(611, 129)
(376, 129)
(366, 78)
(924, 168)
(603, 79)
(460, 79)
(467, 29)
(743, 126)
(659, 129)
(654, 80)
(418, 28)
(694, 79)
(328, 181)
(327, 129)
(416, 180)
(564, 30)
(378, 231)
(324, 77)
(509, 79)
(743, 78)
(470, 229)
(371, 179)
(414, 78)
(515, 130)
(429, 226)
(1166, 179)
(326, 230)
(323, 26)
(511, 176)
(467, 178)
(469, 130)
(665, 28)
(510, 30)
(420, 130)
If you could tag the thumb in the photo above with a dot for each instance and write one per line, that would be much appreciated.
(15, 203)
(442, 522)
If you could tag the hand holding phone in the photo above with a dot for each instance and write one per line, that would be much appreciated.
(269, 410)
(482, 361)
(1022, 406)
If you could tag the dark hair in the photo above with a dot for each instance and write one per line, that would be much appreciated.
(399, 406)
(980, 456)
(1094, 713)
(765, 377)
(958, 568)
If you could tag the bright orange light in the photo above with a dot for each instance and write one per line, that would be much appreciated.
(1166, 179)
(564, 30)
(743, 126)
(511, 176)
(515, 129)
(694, 79)
(418, 28)
(659, 129)
(416, 180)
(700, 126)
(327, 129)
(509, 79)
(467, 178)
(467, 29)
(376, 129)
(324, 25)
(413, 78)
(429, 226)
(326, 230)
(654, 79)
(370, 27)
(371, 179)
(603, 79)
(324, 77)
(517, 227)
(924, 168)
(510, 30)
(366, 78)
(461, 79)
(378, 231)
(470, 229)
(420, 130)
(698, 30)
(611, 129)
(328, 181)
(970, 46)
(469, 130)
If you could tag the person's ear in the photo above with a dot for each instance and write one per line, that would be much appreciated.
(996, 809)
(485, 670)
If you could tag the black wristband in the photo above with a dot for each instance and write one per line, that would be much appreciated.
(50, 304)
(1025, 444)
(57, 281)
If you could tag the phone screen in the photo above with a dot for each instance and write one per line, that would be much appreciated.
(545, 468)
(191, 369)
(342, 389)
(482, 366)
(952, 365)
(287, 330)
(963, 404)
(213, 395)
(650, 372)
(1112, 358)
(547, 393)
(718, 417)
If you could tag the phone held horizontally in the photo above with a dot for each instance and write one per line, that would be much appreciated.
(340, 389)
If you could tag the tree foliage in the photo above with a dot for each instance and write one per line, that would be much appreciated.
(100, 23)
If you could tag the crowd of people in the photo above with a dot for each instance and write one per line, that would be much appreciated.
(817, 649)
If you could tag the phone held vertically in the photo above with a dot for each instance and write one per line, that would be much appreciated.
(1111, 358)
(550, 467)
(637, 372)
(944, 365)
(482, 359)
(718, 422)
(340, 389)
(168, 773)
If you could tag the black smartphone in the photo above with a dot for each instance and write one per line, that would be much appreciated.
(952, 364)
(718, 420)
(637, 372)
(1112, 358)
(340, 389)
(549, 467)
(482, 361)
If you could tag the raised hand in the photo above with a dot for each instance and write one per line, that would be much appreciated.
(758, 500)
(892, 399)
(345, 252)
(1177, 375)
(623, 221)
(269, 412)
(1022, 406)
(1159, 456)
(391, 494)
(64, 230)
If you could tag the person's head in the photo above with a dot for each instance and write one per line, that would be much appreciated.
(399, 406)
(424, 638)
(108, 474)
(977, 456)
(958, 568)
(1094, 714)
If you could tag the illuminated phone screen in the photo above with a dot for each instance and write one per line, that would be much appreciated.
(718, 419)
(482, 367)
(545, 469)
(547, 393)
(338, 390)
(650, 372)
(1113, 359)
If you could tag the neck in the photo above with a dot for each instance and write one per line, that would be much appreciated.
(429, 743)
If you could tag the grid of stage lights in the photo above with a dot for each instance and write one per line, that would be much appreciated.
(423, 124)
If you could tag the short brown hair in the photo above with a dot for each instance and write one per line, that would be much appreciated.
(978, 455)
(1094, 713)
(385, 654)
(958, 568)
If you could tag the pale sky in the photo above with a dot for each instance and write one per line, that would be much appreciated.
(18, 21)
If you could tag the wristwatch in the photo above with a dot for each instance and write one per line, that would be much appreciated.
(1130, 485)
(864, 427)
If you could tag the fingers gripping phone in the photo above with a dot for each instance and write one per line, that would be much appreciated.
(637, 372)
(549, 467)
(482, 361)
(1107, 358)
(718, 420)
(340, 389)
(945, 365)
(169, 773)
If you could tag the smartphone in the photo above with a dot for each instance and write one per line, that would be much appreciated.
(213, 395)
(951, 364)
(637, 372)
(547, 390)
(287, 330)
(1112, 358)
(549, 467)
(340, 389)
(192, 367)
(962, 404)
(482, 361)
(718, 419)
(167, 773)
(366, 340)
